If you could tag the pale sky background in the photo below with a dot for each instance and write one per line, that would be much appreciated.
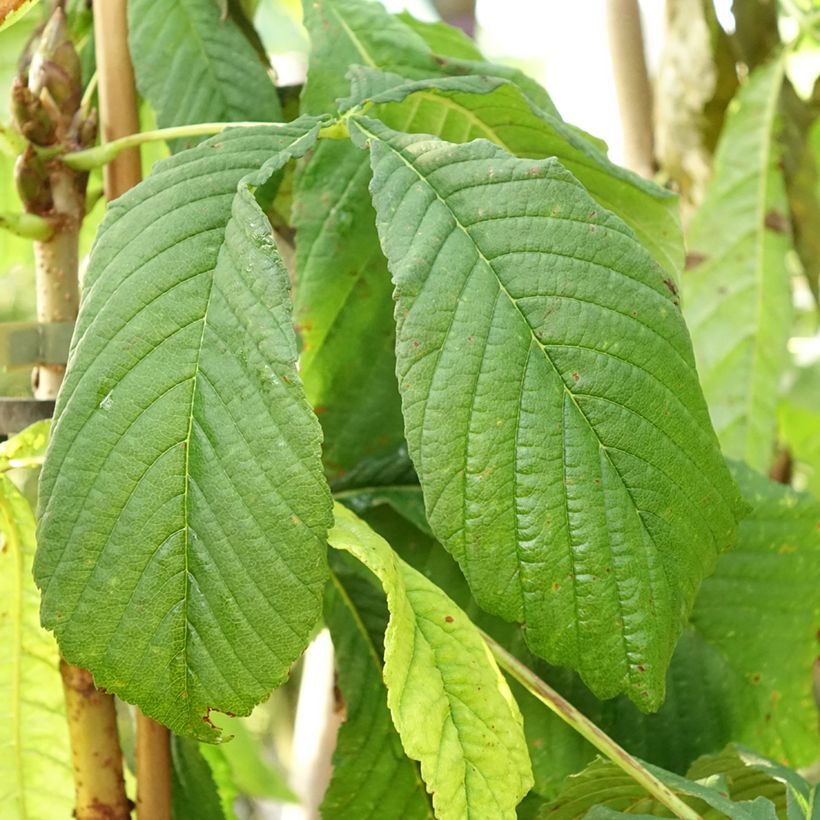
(564, 46)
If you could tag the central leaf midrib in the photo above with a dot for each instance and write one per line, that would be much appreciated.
(187, 475)
(534, 338)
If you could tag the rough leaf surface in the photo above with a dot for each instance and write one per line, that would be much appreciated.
(551, 406)
(737, 294)
(450, 704)
(183, 507)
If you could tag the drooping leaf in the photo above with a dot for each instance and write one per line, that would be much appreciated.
(737, 297)
(193, 790)
(489, 108)
(194, 66)
(603, 790)
(449, 702)
(742, 671)
(372, 777)
(183, 484)
(35, 760)
(551, 406)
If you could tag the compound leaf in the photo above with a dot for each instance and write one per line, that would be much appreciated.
(551, 405)
(449, 702)
(182, 490)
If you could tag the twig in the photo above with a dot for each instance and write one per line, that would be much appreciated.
(588, 730)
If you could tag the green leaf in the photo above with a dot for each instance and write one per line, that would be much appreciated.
(183, 484)
(27, 448)
(603, 790)
(761, 611)
(35, 760)
(193, 66)
(11, 11)
(372, 777)
(489, 108)
(193, 790)
(443, 40)
(798, 422)
(742, 672)
(738, 295)
(449, 702)
(551, 406)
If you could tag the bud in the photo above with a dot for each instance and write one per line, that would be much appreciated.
(33, 183)
(55, 66)
(31, 117)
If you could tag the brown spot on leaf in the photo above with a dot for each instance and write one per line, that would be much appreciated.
(777, 222)
(448, 618)
(693, 259)
(575, 375)
(673, 288)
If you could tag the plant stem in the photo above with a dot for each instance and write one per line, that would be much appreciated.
(153, 755)
(95, 748)
(104, 154)
(27, 226)
(116, 91)
(588, 730)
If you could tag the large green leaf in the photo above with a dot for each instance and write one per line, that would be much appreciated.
(737, 297)
(489, 108)
(449, 702)
(372, 777)
(35, 760)
(742, 671)
(551, 406)
(193, 66)
(603, 786)
(183, 485)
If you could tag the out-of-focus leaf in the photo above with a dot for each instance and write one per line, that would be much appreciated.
(12, 11)
(35, 760)
(737, 295)
(799, 425)
(449, 702)
(27, 448)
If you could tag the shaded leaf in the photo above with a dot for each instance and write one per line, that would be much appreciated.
(737, 297)
(183, 484)
(603, 790)
(193, 790)
(551, 406)
(448, 700)
(36, 779)
(193, 66)
(372, 777)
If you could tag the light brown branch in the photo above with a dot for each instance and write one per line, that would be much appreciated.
(95, 748)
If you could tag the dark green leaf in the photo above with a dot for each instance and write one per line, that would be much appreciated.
(551, 405)
(183, 485)
(193, 66)
(194, 793)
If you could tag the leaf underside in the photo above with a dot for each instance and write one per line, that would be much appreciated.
(183, 490)
(551, 406)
